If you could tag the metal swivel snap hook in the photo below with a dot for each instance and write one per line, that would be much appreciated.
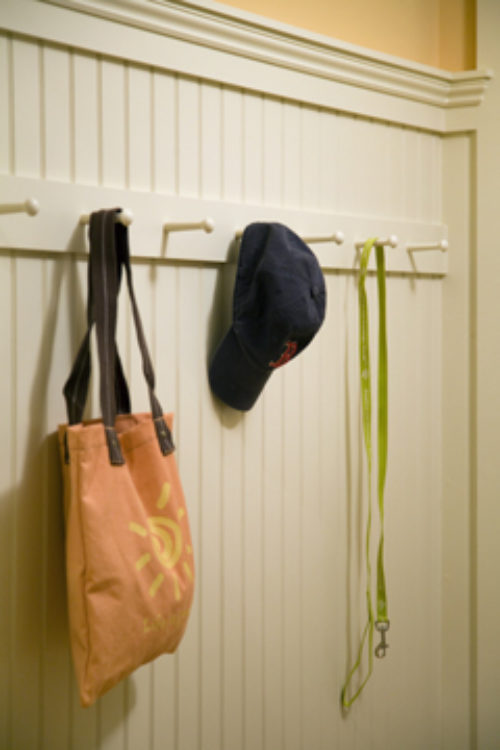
(382, 626)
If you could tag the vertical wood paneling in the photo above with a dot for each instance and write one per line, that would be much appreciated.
(138, 687)
(292, 164)
(421, 175)
(253, 147)
(328, 168)
(165, 132)
(412, 161)
(191, 358)
(139, 128)
(87, 115)
(351, 607)
(276, 496)
(113, 718)
(292, 543)
(311, 585)
(29, 398)
(419, 536)
(7, 496)
(57, 125)
(188, 137)
(26, 100)
(164, 725)
(254, 572)
(311, 157)
(330, 561)
(272, 533)
(427, 518)
(209, 561)
(138, 700)
(436, 180)
(341, 497)
(347, 162)
(5, 103)
(434, 510)
(397, 158)
(362, 144)
(84, 724)
(145, 294)
(56, 343)
(232, 578)
(400, 546)
(114, 125)
(231, 135)
(273, 152)
(166, 362)
(211, 144)
(380, 175)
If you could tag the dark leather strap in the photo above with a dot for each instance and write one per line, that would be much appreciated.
(162, 431)
(76, 387)
(109, 252)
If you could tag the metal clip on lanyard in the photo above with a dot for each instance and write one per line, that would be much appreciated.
(381, 624)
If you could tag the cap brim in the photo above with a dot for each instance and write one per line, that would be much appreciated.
(233, 377)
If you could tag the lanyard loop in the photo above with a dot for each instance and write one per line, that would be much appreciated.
(381, 624)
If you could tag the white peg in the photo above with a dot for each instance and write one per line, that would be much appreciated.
(390, 241)
(337, 237)
(125, 217)
(29, 206)
(207, 225)
(439, 245)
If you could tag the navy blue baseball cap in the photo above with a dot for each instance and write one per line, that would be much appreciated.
(279, 305)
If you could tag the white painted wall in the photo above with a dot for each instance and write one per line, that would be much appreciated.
(275, 496)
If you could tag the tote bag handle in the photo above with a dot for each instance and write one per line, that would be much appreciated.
(76, 387)
(162, 430)
(110, 251)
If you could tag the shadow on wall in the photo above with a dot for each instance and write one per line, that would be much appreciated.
(219, 322)
(38, 675)
(32, 509)
(354, 617)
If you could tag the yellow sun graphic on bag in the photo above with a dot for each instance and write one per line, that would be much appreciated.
(167, 543)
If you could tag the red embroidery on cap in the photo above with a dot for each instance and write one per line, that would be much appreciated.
(291, 349)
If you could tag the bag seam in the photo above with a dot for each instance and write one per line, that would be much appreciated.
(84, 576)
(127, 448)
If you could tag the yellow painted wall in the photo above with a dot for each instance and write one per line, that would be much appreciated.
(435, 32)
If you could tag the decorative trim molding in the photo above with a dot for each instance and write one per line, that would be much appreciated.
(219, 27)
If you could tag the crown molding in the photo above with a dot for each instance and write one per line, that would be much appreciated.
(246, 35)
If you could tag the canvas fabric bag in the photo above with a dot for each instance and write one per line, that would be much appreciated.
(129, 556)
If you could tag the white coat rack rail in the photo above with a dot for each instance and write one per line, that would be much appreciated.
(125, 217)
(202, 231)
(30, 206)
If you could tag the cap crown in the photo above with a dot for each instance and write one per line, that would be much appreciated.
(279, 297)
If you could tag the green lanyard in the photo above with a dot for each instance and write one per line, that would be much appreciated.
(382, 621)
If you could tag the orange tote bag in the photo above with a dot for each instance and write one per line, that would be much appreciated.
(129, 556)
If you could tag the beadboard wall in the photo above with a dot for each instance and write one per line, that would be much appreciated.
(277, 496)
